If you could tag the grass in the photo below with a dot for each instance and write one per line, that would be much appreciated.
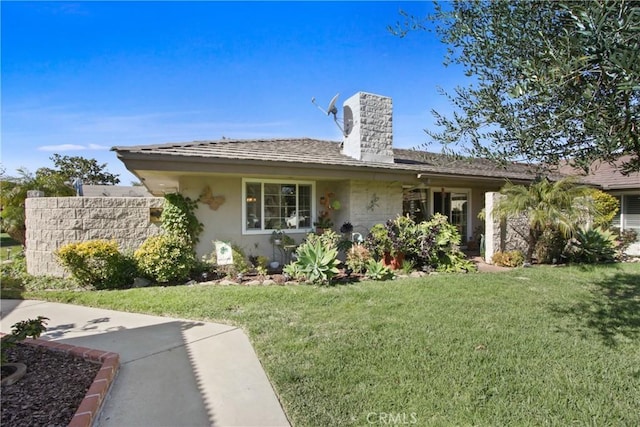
(536, 346)
(8, 247)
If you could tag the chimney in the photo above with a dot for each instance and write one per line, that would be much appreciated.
(367, 128)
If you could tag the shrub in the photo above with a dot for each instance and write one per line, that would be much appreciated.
(240, 264)
(98, 263)
(592, 245)
(357, 258)
(165, 258)
(624, 239)
(550, 246)
(606, 207)
(378, 241)
(508, 258)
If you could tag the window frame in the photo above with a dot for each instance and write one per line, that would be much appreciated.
(262, 182)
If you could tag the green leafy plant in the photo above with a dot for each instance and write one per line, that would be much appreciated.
(240, 264)
(357, 258)
(98, 263)
(317, 261)
(376, 270)
(624, 239)
(408, 266)
(22, 330)
(165, 258)
(179, 218)
(606, 207)
(592, 245)
(508, 259)
(378, 241)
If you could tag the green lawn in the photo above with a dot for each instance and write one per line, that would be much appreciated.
(534, 346)
(8, 247)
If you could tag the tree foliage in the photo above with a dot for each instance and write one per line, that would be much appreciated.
(560, 206)
(13, 193)
(550, 80)
(89, 170)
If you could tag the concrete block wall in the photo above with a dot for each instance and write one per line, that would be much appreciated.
(53, 222)
(501, 236)
(368, 128)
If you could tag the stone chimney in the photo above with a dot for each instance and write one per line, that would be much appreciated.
(367, 128)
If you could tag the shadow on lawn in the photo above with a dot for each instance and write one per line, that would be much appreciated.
(613, 308)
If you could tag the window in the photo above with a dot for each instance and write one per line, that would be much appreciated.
(628, 216)
(271, 205)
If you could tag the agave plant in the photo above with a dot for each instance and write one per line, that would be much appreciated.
(318, 263)
(592, 245)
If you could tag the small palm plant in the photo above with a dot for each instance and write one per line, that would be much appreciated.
(561, 205)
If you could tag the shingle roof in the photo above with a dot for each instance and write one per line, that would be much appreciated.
(320, 152)
(607, 175)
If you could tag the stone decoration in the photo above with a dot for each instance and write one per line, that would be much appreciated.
(52, 222)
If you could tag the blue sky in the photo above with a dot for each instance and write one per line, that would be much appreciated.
(81, 77)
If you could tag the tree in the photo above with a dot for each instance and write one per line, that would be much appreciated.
(71, 167)
(551, 80)
(13, 193)
(558, 205)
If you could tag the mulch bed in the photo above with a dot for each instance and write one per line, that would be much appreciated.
(51, 390)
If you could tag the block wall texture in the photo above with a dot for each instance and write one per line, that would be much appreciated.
(502, 236)
(374, 202)
(371, 136)
(55, 221)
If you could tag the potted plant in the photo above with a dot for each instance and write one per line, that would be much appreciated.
(323, 223)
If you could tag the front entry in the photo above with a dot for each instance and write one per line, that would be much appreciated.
(455, 207)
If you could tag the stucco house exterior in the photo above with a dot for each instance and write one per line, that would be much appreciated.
(251, 187)
(626, 188)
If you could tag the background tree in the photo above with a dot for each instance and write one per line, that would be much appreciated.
(559, 206)
(89, 170)
(550, 80)
(13, 193)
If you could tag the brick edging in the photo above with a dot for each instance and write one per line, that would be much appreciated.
(91, 405)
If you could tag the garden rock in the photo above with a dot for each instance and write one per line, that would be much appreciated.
(141, 282)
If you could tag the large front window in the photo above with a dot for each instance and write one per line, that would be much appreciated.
(271, 205)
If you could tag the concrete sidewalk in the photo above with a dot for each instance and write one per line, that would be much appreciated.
(173, 372)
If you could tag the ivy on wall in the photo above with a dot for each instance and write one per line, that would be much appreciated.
(178, 217)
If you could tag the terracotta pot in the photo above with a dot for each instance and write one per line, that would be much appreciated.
(393, 262)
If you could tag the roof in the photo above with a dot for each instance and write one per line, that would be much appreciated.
(311, 152)
(114, 191)
(606, 175)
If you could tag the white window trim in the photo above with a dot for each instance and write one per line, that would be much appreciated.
(262, 181)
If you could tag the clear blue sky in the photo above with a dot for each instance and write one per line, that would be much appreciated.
(81, 77)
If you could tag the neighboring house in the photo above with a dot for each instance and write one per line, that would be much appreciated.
(252, 187)
(626, 188)
(114, 191)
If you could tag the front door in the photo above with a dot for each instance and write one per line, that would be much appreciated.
(455, 207)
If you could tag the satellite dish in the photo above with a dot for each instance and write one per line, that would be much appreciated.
(332, 106)
(332, 109)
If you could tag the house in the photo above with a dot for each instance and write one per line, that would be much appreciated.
(252, 187)
(626, 188)
(95, 190)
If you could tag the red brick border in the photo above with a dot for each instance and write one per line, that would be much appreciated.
(92, 403)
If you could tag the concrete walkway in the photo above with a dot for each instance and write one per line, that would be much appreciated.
(173, 372)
